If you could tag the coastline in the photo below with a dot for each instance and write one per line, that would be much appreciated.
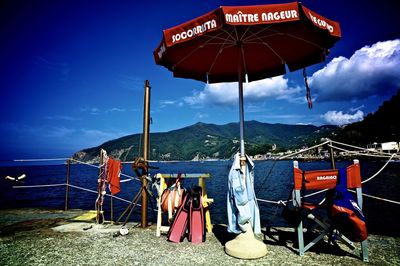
(29, 236)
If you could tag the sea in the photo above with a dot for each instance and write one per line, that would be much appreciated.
(273, 181)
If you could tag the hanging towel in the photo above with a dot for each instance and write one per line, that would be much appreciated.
(242, 204)
(113, 175)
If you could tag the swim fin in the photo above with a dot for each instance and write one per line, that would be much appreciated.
(177, 230)
(197, 233)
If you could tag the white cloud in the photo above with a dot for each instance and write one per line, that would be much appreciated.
(91, 110)
(131, 83)
(353, 109)
(62, 117)
(372, 70)
(166, 103)
(201, 116)
(37, 131)
(256, 91)
(95, 137)
(339, 118)
(60, 69)
(115, 109)
(57, 132)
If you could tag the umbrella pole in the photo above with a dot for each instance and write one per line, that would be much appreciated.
(241, 117)
(245, 245)
(241, 127)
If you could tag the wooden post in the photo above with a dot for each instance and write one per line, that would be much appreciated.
(112, 209)
(67, 184)
(99, 207)
(146, 143)
(206, 203)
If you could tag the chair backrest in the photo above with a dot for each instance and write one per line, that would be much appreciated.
(319, 179)
(354, 180)
(354, 175)
(327, 179)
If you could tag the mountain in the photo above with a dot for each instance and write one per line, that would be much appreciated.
(222, 141)
(381, 126)
(212, 141)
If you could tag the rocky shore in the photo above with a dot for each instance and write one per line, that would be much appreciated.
(48, 237)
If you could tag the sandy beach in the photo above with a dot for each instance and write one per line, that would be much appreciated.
(49, 237)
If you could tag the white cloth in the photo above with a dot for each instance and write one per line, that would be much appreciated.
(242, 204)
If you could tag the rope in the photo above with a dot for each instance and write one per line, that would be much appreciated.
(88, 164)
(108, 195)
(93, 191)
(321, 191)
(380, 170)
(127, 152)
(378, 198)
(308, 93)
(76, 187)
(270, 201)
(380, 155)
(356, 147)
(36, 186)
(266, 177)
(375, 154)
(40, 160)
(81, 188)
(121, 174)
(303, 150)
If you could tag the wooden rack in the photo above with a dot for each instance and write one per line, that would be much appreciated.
(206, 201)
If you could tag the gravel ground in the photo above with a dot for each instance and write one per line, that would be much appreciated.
(39, 237)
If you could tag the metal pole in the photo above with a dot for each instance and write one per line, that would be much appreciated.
(333, 164)
(67, 184)
(146, 143)
(241, 114)
(241, 104)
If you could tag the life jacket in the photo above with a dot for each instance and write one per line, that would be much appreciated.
(346, 214)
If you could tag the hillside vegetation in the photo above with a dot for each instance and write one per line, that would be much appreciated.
(222, 141)
(381, 126)
(213, 141)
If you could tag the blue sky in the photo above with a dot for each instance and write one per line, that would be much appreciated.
(72, 73)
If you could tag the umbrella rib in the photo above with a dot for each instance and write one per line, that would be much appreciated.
(302, 39)
(216, 57)
(198, 47)
(221, 48)
(244, 34)
(269, 46)
(243, 60)
(216, 37)
(255, 36)
(229, 34)
(241, 47)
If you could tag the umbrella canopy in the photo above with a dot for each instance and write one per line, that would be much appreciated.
(228, 43)
(254, 40)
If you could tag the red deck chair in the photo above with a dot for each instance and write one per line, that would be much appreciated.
(323, 180)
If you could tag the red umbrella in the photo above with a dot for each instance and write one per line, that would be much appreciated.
(228, 43)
